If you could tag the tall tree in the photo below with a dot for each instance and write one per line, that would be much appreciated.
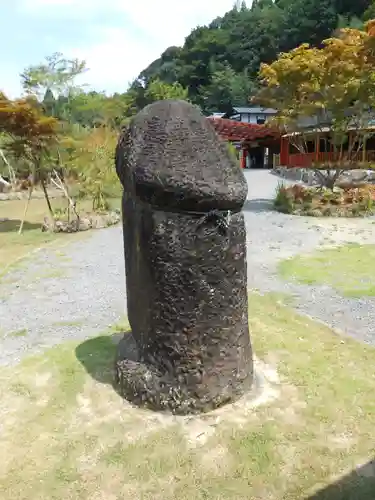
(57, 75)
(226, 89)
(167, 68)
(92, 109)
(254, 36)
(351, 8)
(30, 136)
(307, 21)
(335, 83)
(201, 47)
(370, 12)
(158, 91)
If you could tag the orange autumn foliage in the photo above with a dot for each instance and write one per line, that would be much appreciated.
(28, 130)
(370, 27)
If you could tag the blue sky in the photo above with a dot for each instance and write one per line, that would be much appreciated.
(116, 40)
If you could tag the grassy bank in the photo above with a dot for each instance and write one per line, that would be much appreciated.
(13, 246)
(349, 269)
(84, 442)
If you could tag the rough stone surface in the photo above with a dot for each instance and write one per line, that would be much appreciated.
(307, 176)
(93, 221)
(350, 178)
(185, 256)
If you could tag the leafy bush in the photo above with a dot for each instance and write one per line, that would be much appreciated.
(317, 202)
(284, 199)
(94, 165)
(232, 151)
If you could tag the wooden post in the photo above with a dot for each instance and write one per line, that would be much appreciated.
(284, 152)
(364, 148)
(243, 157)
(351, 154)
(317, 147)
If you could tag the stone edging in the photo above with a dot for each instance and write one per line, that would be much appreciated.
(86, 222)
(307, 176)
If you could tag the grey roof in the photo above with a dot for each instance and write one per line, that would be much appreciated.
(256, 110)
(325, 130)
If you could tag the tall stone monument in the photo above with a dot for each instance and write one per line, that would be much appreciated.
(185, 255)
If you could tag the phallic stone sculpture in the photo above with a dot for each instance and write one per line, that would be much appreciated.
(185, 253)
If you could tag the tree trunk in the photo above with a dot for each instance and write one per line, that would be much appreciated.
(61, 185)
(326, 179)
(12, 175)
(26, 208)
(43, 183)
(3, 181)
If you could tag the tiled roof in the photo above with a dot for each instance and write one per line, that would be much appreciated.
(256, 110)
(239, 131)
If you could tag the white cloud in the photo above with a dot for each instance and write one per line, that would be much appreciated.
(50, 8)
(149, 27)
(10, 81)
(113, 62)
(171, 20)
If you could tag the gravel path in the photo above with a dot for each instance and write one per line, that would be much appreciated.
(272, 237)
(79, 290)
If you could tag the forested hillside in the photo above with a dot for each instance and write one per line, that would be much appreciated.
(216, 68)
(219, 63)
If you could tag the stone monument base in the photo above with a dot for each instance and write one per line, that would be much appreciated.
(143, 385)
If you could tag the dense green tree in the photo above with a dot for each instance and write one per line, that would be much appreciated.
(370, 12)
(307, 21)
(254, 37)
(49, 103)
(351, 8)
(246, 36)
(158, 91)
(226, 89)
(203, 45)
(167, 68)
(94, 108)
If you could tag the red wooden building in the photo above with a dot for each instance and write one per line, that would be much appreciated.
(257, 143)
(263, 146)
(317, 148)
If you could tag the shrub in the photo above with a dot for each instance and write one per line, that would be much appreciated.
(95, 167)
(232, 151)
(324, 202)
(284, 199)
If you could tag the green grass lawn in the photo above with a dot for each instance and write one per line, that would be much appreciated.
(13, 246)
(349, 269)
(66, 434)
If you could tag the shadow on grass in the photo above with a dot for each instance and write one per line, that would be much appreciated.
(12, 225)
(98, 355)
(358, 485)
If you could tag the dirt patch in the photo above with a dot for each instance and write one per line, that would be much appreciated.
(93, 406)
(217, 460)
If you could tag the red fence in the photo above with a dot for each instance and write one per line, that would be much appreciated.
(305, 160)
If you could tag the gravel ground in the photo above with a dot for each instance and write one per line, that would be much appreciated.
(272, 237)
(78, 291)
